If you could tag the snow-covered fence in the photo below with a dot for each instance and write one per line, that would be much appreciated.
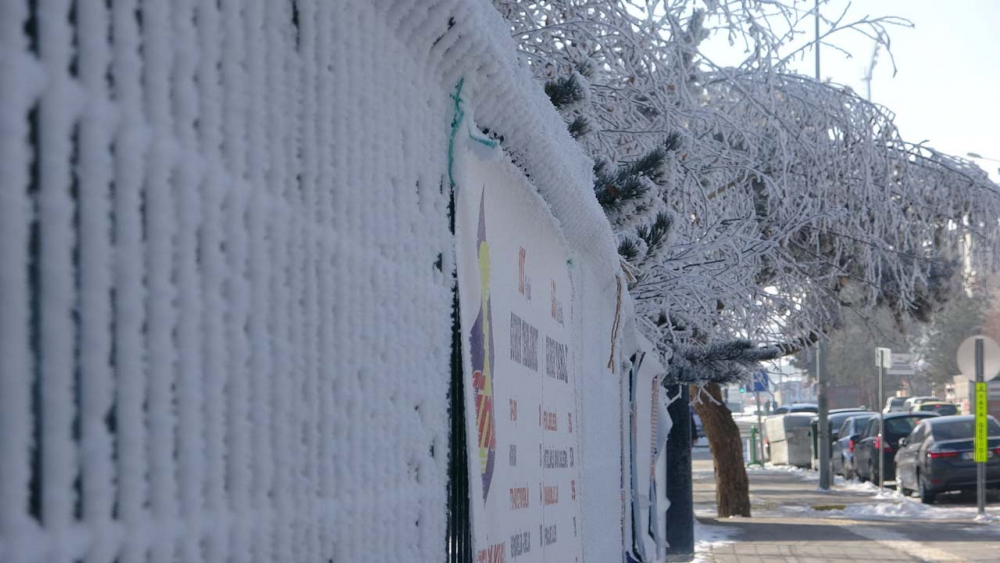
(226, 276)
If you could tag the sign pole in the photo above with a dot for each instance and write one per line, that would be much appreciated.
(881, 421)
(981, 431)
(979, 357)
(760, 429)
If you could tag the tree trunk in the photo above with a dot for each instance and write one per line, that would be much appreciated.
(732, 488)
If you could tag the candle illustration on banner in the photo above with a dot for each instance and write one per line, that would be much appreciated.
(481, 350)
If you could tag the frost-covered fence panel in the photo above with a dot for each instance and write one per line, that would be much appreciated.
(224, 326)
(226, 276)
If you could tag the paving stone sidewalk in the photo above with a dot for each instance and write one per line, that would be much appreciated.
(785, 527)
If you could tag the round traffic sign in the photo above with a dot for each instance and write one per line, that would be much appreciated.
(967, 357)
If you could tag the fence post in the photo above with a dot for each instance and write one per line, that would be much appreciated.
(680, 514)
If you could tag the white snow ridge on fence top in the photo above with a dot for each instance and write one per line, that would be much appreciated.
(226, 274)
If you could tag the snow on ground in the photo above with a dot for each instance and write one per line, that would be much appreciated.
(707, 538)
(890, 505)
(771, 468)
(887, 504)
(908, 509)
(842, 484)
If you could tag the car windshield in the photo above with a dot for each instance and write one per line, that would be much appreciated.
(862, 420)
(901, 426)
(837, 420)
(941, 409)
(858, 421)
(961, 429)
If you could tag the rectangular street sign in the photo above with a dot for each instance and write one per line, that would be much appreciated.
(761, 383)
(883, 357)
(902, 364)
(981, 427)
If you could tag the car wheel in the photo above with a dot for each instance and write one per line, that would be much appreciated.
(926, 496)
(871, 473)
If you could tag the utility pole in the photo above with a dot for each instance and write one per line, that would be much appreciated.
(817, 40)
(871, 71)
(823, 425)
(823, 440)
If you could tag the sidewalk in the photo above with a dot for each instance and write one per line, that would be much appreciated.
(794, 521)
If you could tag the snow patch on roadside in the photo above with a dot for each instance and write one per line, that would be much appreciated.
(891, 505)
(853, 485)
(777, 469)
(708, 537)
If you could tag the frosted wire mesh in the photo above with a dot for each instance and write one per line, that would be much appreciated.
(224, 326)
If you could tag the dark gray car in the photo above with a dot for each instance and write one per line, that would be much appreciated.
(937, 457)
(871, 445)
(842, 457)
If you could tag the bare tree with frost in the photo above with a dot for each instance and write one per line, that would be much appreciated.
(753, 206)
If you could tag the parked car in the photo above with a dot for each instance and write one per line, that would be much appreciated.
(941, 408)
(796, 407)
(897, 425)
(894, 404)
(835, 419)
(937, 456)
(842, 457)
(908, 403)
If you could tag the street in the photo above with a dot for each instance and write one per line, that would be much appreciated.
(794, 521)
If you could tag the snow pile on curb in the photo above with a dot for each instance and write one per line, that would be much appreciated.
(842, 484)
(777, 469)
(895, 507)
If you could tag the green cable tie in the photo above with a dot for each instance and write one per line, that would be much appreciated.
(455, 124)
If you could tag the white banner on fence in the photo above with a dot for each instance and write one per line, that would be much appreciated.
(520, 386)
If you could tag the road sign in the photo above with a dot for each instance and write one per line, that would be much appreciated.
(883, 357)
(902, 364)
(761, 383)
(981, 426)
(967, 357)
